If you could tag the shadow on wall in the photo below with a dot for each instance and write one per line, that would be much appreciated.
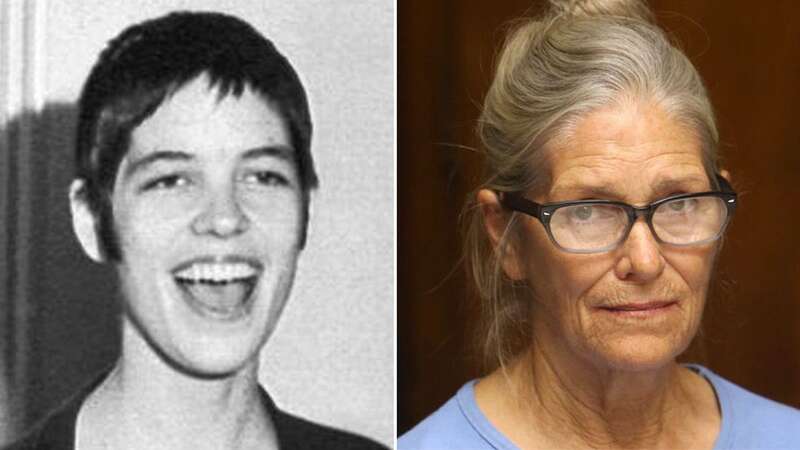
(70, 328)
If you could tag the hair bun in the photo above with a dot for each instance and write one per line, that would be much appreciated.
(634, 9)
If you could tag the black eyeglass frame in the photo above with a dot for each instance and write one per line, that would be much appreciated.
(544, 212)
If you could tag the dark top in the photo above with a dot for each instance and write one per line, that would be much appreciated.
(57, 431)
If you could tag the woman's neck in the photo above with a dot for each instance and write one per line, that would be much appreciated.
(147, 403)
(545, 399)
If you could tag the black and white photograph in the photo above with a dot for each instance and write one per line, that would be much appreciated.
(197, 223)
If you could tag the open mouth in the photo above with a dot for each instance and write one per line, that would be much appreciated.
(219, 288)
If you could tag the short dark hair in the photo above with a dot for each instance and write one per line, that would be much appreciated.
(152, 60)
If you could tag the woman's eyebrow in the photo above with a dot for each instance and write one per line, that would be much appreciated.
(670, 185)
(597, 191)
(153, 157)
(283, 152)
(608, 192)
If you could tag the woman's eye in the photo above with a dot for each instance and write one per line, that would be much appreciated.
(681, 205)
(166, 182)
(267, 178)
(583, 212)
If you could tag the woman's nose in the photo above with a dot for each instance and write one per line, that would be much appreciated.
(221, 215)
(641, 260)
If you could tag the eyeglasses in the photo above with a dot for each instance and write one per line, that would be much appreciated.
(594, 226)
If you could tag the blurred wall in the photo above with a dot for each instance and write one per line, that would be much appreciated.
(747, 55)
(332, 357)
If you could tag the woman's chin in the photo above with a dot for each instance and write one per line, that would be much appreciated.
(209, 367)
(212, 359)
(639, 353)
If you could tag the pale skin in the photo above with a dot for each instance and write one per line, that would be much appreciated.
(593, 379)
(165, 409)
(219, 181)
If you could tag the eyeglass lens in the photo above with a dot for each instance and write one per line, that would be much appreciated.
(597, 227)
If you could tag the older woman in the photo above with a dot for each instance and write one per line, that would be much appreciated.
(592, 246)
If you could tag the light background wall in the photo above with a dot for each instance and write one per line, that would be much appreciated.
(332, 357)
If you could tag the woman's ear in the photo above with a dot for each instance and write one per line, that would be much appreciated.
(496, 219)
(84, 221)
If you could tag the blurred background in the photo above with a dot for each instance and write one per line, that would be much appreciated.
(748, 56)
(332, 356)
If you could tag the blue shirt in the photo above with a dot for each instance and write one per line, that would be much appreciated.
(748, 421)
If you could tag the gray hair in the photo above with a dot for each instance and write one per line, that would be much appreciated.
(554, 70)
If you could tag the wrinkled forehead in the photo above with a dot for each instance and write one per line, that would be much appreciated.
(629, 152)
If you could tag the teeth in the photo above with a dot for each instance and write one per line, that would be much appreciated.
(216, 272)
